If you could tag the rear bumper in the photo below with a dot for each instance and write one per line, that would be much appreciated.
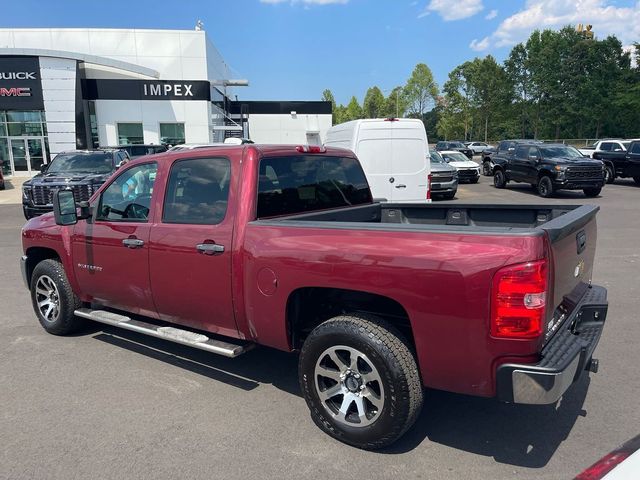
(564, 358)
(438, 187)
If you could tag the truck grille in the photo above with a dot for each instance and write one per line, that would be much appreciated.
(585, 173)
(470, 173)
(43, 194)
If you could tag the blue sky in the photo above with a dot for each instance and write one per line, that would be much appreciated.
(294, 49)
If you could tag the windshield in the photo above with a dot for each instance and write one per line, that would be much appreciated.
(436, 158)
(97, 162)
(456, 145)
(560, 151)
(455, 157)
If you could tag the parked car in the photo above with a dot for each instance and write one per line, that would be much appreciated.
(136, 150)
(82, 171)
(285, 248)
(468, 170)
(478, 147)
(444, 177)
(607, 145)
(550, 167)
(458, 146)
(393, 153)
(621, 464)
(505, 149)
(621, 163)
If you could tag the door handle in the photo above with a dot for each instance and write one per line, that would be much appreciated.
(210, 248)
(132, 242)
(401, 186)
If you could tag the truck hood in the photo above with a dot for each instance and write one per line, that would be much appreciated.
(442, 168)
(577, 162)
(465, 165)
(69, 178)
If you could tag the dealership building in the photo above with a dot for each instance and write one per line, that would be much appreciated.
(67, 89)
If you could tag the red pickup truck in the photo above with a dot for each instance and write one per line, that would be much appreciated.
(227, 247)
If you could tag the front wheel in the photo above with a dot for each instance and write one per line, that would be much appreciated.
(499, 180)
(545, 187)
(609, 174)
(360, 381)
(53, 299)
(592, 192)
(637, 180)
(486, 169)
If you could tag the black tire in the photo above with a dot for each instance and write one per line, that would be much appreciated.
(592, 192)
(499, 180)
(64, 322)
(545, 186)
(637, 180)
(380, 345)
(486, 169)
(609, 174)
(449, 196)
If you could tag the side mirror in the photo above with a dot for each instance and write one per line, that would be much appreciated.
(43, 167)
(64, 208)
(617, 150)
(533, 158)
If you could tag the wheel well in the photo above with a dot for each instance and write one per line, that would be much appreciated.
(309, 307)
(544, 173)
(35, 255)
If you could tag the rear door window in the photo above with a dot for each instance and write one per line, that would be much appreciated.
(606, 146)
(635, 148)
(297, 184)
(198, 191)
(522, 153)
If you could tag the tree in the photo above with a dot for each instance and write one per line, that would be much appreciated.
(395, 104)
(353, 110)
(373, 105)
(421, 91)
(327, 96)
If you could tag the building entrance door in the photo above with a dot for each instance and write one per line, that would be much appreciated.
(26, 155)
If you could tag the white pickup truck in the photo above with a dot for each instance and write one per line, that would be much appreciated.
(605, 146)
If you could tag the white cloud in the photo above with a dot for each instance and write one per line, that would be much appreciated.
(491, 15)
(453, 9)
(306, 2)
(479, 45)
(606, 18)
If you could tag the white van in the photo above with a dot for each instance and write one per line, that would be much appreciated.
(394, 154)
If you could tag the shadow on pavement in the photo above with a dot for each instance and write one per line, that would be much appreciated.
(521, 435)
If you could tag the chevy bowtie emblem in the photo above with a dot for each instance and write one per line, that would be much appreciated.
(579, 269)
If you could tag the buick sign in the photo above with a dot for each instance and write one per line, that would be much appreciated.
(20, 86)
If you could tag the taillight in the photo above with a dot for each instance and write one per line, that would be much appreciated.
(391, 119)
(429, 187)
(311, 149)
(518, 300)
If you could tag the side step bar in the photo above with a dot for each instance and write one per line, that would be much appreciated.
(172, 334)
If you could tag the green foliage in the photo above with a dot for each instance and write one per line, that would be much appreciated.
(374, 103)
(327, 96)
(557, 84)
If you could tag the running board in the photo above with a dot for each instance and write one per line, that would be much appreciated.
(172, 334)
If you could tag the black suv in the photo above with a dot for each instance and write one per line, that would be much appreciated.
(136, 150)
(459, 146)
(83, 171)
(550, 167)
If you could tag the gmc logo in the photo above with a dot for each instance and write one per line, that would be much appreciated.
(183, 90)
(15, 92)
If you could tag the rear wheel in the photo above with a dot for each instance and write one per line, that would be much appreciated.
(637, 180)
(360, 381)
(545, 186)
(53, 299)
(592, 192)
(609, 174)
(499, 180)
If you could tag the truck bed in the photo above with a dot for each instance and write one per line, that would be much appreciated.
(556, 220)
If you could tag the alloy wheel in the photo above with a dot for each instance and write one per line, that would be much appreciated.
(48, 298)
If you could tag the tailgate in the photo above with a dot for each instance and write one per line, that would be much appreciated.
(572, 238)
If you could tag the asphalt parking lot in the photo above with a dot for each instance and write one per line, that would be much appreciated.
(108, 403)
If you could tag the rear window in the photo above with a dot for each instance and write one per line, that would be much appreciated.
(305, 183)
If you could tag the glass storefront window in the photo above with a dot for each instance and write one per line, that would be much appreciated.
(32, 116)
(172, 133)
(130, 133)
(18, 152)
(25, 129)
